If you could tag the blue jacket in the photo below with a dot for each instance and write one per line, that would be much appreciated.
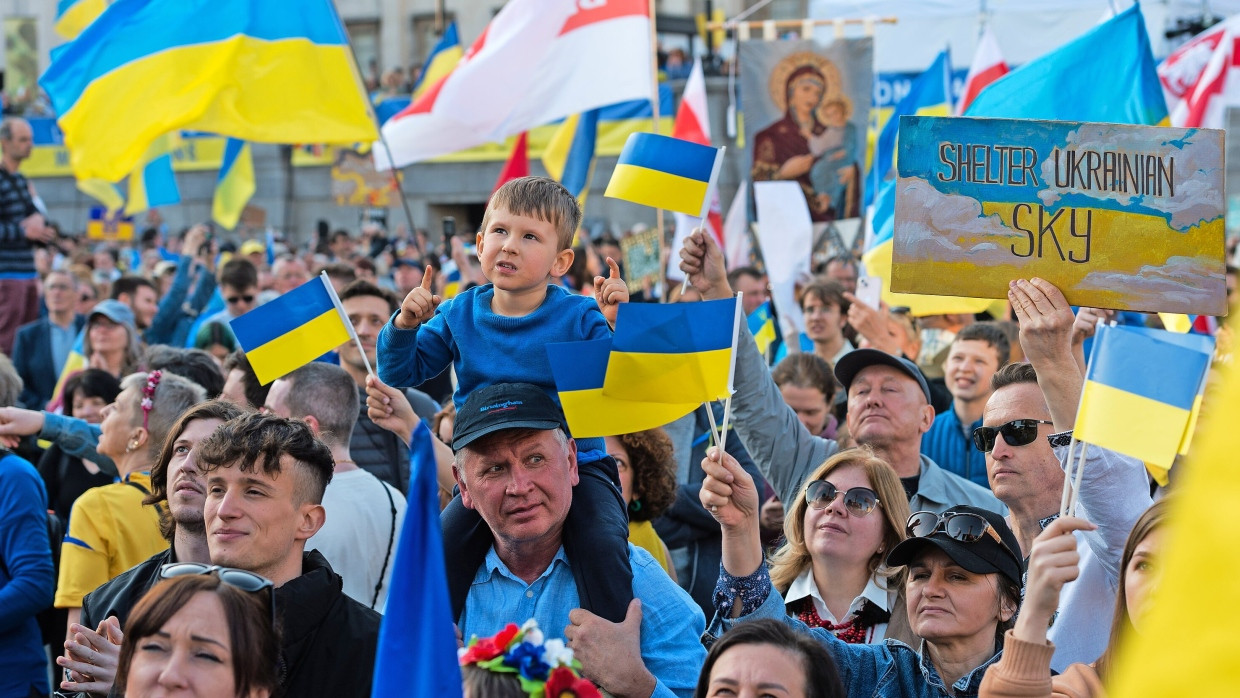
(891, 669)
(26, 578)
(947, 445)
(32, 357)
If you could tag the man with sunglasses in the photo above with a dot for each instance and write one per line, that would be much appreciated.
(1025, 433)
(888, 410)
(238, 285)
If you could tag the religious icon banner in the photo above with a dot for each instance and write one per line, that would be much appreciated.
(806, 107)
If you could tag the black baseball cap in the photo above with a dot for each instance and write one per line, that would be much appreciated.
(505, 406)
(851, 364)
(983, 556)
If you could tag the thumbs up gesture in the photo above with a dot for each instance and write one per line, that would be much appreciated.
(419, 305)
(610, 292)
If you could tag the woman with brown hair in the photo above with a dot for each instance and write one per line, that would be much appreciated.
(850, 514)
(648, 481)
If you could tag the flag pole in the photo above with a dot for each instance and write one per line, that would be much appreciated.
(331, 291)
(654, 111)
(1067, 477)
(736, 328)
(1076, 483)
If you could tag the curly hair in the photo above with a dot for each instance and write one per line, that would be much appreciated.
(654, 473)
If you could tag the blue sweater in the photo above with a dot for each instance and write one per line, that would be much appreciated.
(486, 348)
(946, 444)
(26, 579)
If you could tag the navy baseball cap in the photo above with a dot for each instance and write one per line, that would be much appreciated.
(983, 556)
(505, 406)
(851, 364)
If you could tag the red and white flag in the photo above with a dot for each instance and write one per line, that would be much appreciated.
(1202, 78)
(537, 61)
(988, 66)
(693, 124)
(518, 164)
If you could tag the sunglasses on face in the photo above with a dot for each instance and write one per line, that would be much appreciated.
(960, 526)
(233, 300)
(1018, 432)
(859, 501)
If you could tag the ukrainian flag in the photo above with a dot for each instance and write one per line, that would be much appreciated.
(72, 16)
(929, 95)
(763, 327)
(673, 353)
(569, 157)
(108, 225)
(291, 331)
(104, 192)
(579, 369)
(153, 185)
(664, 172)
(1140, 392)
(235, 184)
(252, 69)
(441, 61)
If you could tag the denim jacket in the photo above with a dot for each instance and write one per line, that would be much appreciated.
(890, 669)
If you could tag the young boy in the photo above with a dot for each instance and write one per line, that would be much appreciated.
(495, 334)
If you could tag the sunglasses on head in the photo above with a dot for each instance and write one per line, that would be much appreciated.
(858, 500)
(961, 526)
(233, 300)
(1018, 432)
(241, 579)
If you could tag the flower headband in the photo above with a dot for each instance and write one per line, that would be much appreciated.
(148, 394)
(545, 669)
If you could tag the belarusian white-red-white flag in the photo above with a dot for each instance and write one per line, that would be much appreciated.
(693, 124)
(988, 66)
(1202, 78)
(536, 62)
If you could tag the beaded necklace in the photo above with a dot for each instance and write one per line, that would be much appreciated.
(853, 632)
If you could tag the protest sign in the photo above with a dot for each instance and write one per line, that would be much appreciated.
(785, 236)
(641, 258)
(1124, 217)
(806, 112)
(108, 226)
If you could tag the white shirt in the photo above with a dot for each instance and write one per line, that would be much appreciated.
(804, 585)
(359, 533)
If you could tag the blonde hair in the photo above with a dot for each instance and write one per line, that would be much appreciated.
(542, 198)
(793, 556)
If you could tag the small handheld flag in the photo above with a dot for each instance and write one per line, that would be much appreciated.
(291, 331)
(664, 172)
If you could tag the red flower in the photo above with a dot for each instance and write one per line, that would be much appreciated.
(563, 682)
(490, 647)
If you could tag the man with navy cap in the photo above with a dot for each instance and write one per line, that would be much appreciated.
(516, 466)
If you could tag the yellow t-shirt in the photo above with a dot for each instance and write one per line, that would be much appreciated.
(643, 535)
(110, 530)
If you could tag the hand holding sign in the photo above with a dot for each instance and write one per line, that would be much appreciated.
(419, 305)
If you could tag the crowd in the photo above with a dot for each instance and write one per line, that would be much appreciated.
(881, 519)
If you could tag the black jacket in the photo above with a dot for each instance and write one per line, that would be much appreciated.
(117, 596)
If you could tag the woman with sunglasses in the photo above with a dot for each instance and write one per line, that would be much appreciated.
(204, 632)
(831, 569)
(1026, 669)
(962, 586)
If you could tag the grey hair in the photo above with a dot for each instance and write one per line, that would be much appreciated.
(329, 393)
(10, 383)
(173, 396)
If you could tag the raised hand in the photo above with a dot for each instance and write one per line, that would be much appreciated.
(419, 305)
(609, 293)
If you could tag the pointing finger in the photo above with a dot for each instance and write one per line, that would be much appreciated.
(427, 278)
(615, 268)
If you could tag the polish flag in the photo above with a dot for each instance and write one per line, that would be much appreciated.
(693, 124)
(1202, 77)
(536, 62)
(987, 67)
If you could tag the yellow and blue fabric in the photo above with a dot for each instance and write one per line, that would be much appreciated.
(249, 69)
(441, 61)
(72, 16)
(291, 331)
(102, 225)
(569, 157)
(665, 172)
(1140, 390)
(930, 94)
(672, 353)
(579, 370)
(763, 327)
(235, 184)
(153, 185)
(104, 192)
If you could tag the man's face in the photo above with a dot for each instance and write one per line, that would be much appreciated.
(368, 314)
(20, 141)
(1021, 473)
(234, 388)
(823, 321)
(289, 274)
(277, 398)
(59, 292)
(186, 490)
(238, 300)
(969, 366)
(522, 486)
(886, 406)
(145, 303)
(407, 277)
(254, 519)
(844, 273)
(342, 247)
(754, 290)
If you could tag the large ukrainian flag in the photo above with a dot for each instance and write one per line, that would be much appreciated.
(673, 353)
(291, 331)
(1140, 392)
(252, 69)
(72, 16)
(579, 369)
(569, 157)
(235, 184)
(665, 172)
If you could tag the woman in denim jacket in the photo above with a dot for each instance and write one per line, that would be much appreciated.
(962, 586)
